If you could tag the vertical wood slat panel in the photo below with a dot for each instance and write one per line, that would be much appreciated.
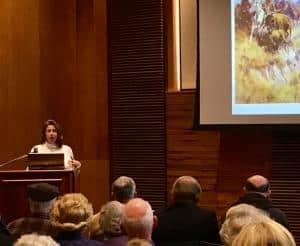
(285, 176)
(137, 77)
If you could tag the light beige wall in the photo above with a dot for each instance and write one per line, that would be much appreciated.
(188, 37)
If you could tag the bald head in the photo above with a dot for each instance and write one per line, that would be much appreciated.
(257, 180)
(257, 183)
(186, 188)
(138, 219)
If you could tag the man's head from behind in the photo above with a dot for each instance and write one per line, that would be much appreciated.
(123, 189)
(259, 184)
(186, 188)
(138, 219)
(41, 197)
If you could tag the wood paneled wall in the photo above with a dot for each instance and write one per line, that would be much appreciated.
(137, 84)
(220, 158)
(53, 57)
(20, 107)
(190, 152)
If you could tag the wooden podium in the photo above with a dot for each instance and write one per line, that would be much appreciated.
(13, 184)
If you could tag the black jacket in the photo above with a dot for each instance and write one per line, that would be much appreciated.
(185, 221)
(5, 237)
(260, 201)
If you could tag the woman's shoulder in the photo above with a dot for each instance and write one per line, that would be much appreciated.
(66, 147)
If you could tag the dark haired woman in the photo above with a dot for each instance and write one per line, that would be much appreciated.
(52, 142)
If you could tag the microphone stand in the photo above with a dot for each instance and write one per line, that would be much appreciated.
(13, 160)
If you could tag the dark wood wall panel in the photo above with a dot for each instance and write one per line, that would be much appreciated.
(138, 78)
(285, 176)
(246, 151)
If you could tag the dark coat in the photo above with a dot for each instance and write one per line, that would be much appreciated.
(75, 238)
(260, 201)
(5, 237)
(185, 221)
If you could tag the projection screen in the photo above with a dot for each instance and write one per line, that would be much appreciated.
(249, 62)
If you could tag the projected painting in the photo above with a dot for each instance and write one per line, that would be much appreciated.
(265, 56)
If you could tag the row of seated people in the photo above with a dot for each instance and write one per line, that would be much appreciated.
(128, 220)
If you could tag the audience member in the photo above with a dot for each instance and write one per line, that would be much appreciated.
(237, 217)
(41, 197)
(257, 193)
(71, 213)
(35, 240)
(138, 219)
(109, 230)
(123, 189)
(183, 220)
(264, 233)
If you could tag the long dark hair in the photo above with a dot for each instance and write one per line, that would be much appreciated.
(59, 140)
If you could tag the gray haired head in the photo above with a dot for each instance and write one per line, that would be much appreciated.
(123, 189)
